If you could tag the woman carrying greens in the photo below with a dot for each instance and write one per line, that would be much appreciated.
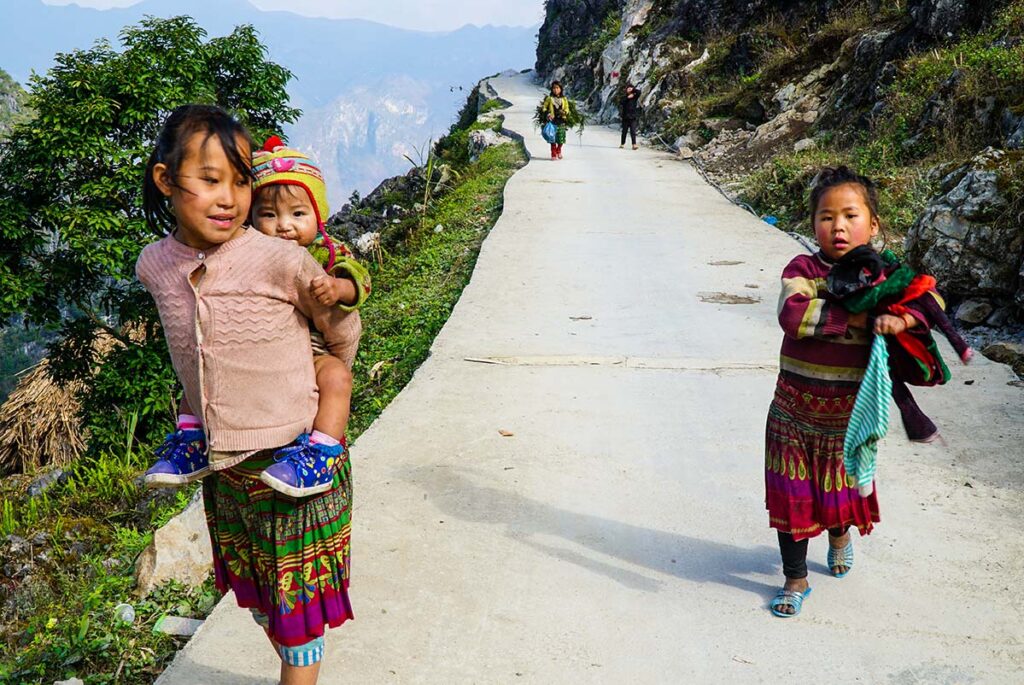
(556, 108)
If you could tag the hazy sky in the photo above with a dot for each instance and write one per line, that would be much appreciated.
(427, 15)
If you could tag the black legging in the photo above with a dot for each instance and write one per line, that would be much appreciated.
(794, 553)
(629, 125)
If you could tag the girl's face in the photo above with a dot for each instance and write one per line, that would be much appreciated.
(211, 198)
(843, 220)
(285, 211)
(557, 91)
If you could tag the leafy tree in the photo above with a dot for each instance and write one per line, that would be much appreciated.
(71, 221)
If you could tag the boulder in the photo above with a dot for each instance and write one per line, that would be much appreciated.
(963, 238)
(789, 125)
(180, 551)
(481, 140)
(46, 481)
(974, 311)
(786, 97)
(1006, 353)
(804, 144)
(690, 139)
(1000, 317)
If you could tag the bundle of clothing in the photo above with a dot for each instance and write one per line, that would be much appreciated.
(866, 281)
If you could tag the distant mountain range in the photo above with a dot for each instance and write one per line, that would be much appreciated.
(370, 93)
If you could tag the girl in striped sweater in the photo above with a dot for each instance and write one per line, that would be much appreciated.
(825, 350)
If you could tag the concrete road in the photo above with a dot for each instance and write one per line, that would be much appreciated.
(619, 534)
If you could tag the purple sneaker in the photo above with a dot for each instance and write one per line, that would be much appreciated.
(180, 460)
(303, 468)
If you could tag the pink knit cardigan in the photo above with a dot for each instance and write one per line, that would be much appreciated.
(235, 318)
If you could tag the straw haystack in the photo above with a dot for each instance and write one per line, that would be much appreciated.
(39, 423)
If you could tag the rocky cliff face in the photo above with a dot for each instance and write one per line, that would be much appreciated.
(927, 96)
(569, 26)
(12, 99)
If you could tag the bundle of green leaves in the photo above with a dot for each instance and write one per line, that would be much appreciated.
(574, 118)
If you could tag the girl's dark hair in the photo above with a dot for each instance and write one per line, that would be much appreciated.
(559, 84)
(831, 177)
(178, 129)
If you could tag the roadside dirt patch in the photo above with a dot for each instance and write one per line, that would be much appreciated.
(727, 298)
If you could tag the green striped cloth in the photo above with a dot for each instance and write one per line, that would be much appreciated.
(870, 419)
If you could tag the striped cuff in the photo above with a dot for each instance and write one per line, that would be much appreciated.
(304, 655)
(836, 319)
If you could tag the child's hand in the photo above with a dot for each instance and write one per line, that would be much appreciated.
(887, 324)
(551, 117)
(329, 291)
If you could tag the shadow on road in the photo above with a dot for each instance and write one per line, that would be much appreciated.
(534, 523)
(210, 675)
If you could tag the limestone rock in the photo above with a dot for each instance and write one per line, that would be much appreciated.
(1000, 317)
(46, 481)
(685, 153)
(974, 311)
(481, 140)
(690, 139)
(804, 144)
(71, 681)
(786, 97)
(788, 125)
(180, 551)
(1006, 353)
(569, 23)
(962, 238)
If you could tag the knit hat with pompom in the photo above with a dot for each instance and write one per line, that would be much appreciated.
(276, 164)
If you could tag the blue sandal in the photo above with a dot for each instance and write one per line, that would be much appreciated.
(789, 598)
(840, 557)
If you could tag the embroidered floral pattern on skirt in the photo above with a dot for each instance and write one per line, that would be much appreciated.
(807, 489)
(287, 558)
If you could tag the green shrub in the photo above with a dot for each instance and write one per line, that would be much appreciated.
(71, 223)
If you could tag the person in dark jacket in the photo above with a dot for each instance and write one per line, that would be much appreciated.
(629, 113)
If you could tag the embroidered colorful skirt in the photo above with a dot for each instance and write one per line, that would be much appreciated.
(806, 486)
(287, 558)
(560, 136)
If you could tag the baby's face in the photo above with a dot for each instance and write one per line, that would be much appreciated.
(286, 212)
